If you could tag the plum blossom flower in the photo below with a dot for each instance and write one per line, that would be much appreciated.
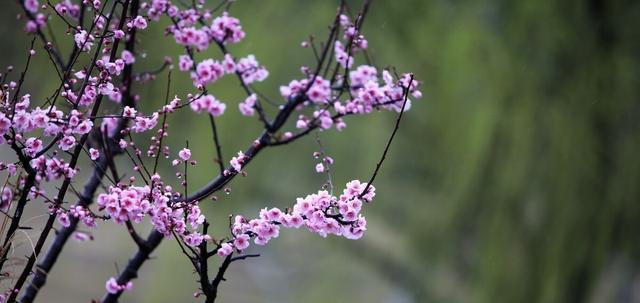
(113, 287)
(319, 92)
(127, 57)
(94, 154)
(31, 5)
(185, 63)
(67, 142)
(143, 123)
(210, 104)
(184, 154)
(241, 242)
(63, 219)
(81, 236)
(5, 198)
(190, 36)
(342, 56)
(237, 161)
(207, 71)
(193, 239)
(129, 112)
(32, 146)
(250, 70)
(229, 64)
(139, 22)
(246, 107)
(227, 29)
(68, 8)
(83, 40)
(225, 249)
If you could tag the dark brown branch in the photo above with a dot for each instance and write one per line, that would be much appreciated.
(203, 270)
(386, 148)
(16, 94)
(131, 270)
(216, 141)
(243, 257)
(213, 288)
(213, 292)
(134, 235)
(162, 125)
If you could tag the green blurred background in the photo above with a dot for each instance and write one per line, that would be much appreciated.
(515, 179)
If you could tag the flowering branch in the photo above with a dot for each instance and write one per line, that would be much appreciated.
(68, 120)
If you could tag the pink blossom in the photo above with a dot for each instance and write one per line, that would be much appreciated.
(33, 146)
(191, 36)
(67, 142)
(319, 92)
(210, 104)
(139, 22)
(129, 112)
(319, 168)
(81, 236)
(250, 70)
(301, 123)
(63, 219)
(68, 8)
(184, 154)
(108, 126)
(362, 75)
(31, 5)
(5, 198)
(83, 127)
(225, 249)
(237, 161)
(83, 40)
(113, 287)
(5, 124)
(227, 29)
(185, 63)
(207, 71)
(94, 154)
(274, 214)
(229, 64)
(193, 239)
(246, 107)
(143, 123)
(241, 242)
(128, 57)
(342, 56)
(118, 34)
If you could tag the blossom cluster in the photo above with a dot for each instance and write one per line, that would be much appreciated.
(223, 29)
(320, 213)
(366, 88)
(129, 203)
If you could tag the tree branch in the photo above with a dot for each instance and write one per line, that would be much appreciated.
(50, 258)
